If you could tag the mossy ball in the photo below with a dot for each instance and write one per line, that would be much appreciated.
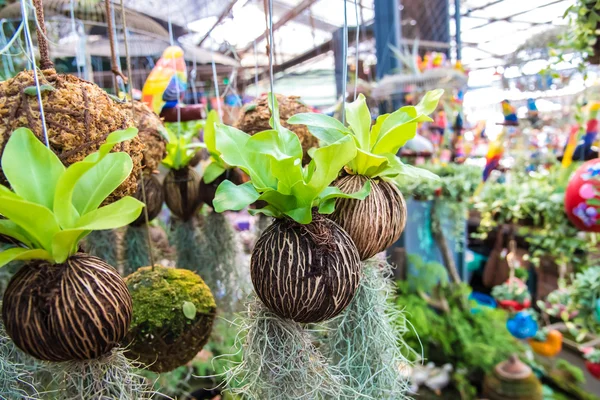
(152, 133)
(173, 314)
(79, 117)
(255, 117)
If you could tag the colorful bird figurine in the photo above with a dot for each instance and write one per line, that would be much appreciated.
(510, 113)
(167, 81)
(494, 154)
(522, 325)
(438, 60)
(439, 378)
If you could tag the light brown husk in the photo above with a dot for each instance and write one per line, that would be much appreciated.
(374, 223)
(255, 118)
(182, 192)
(79, 117)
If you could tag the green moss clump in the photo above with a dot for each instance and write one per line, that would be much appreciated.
(161, 336)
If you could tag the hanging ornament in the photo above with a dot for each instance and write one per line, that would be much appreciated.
(546, 342)
(522, 325)
(582, 197)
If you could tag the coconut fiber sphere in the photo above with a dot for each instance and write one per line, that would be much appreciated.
(79, 117)
(151, 133)
(78, 310)
(182, 192)
(375, 223)
(162, 337)
(306, 273)
(154, 198)
(255, 118)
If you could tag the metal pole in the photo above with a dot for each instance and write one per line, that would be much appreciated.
(387, 32)
(457, 23)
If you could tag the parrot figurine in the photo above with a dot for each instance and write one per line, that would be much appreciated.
(532, 111)
(510, 113)
(494, 155)
(584, 151)
(167, 81)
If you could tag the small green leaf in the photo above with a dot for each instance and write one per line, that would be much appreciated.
(429, 102)
(278, 144)
(328, 161)
(328, 197)
(32, 90)
(376, 129)
(367, 164)
(19, 253)
(209, 132)
(324, 127)
(213, 171)
(31, 168)
(593, 202)
(234, 197)
(64, 243)
(9, 228)
(359, 119)
(189, 310)
(251, 107)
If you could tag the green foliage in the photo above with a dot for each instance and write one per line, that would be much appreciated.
(585, 298)
(217, 166)
(427, 275)
(52, 208)
(513, 289)
(574, 372)
(475, 342)
(273, 160)
(535, 202)
(378, 144)
(181, 147)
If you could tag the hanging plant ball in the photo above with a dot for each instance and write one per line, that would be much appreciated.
(154, 199)
(255, 118)
(151, 133)
(79, 116)
(582, 197)
(306, 273)
(78, 310)
(375, 223)
(173, 314)
(522, 325)
(182, 192)
(208, 190)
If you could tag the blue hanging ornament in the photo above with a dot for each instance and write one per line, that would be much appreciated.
(522, 325)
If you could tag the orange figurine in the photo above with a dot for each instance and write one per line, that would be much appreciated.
(547, 343)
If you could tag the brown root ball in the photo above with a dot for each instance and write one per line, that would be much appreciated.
(79, 117)
(374, 223)
(182, 192)
(209, 190)
(154, 199)
(255, 117)
(151, 133)
(306, 273)
(162, 336)
(78, 310)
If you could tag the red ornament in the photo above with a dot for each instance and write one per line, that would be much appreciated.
(513, 305)
(582, 198)
(593, 368)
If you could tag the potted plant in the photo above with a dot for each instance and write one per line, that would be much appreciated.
(49, 210)
(512, 295)
(592, 363)
(304, 267)
(384, 211)
(585, 298)
(546, 342)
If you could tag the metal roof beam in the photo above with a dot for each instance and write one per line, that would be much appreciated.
(223, 15)
(293, 13)
(510, 17)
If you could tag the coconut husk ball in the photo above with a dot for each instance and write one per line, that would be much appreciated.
(374, 223)
(512, 380)
(153, 200)
(182, 192)
(163, 334)
(77, 310)
(255, 116)
(79, 117)
(151, 133)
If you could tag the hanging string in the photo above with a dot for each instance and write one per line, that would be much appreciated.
(45, 62)
(216, 82)
(357, 49)
(174, 66)
(345, 62)
(74, 29)
(271, 48)
(130, 88)
(9, 44)
(193, 79)
(256, 70)
(114, 64)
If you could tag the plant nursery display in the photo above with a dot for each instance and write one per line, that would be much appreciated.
(375, 162)
(512, 294)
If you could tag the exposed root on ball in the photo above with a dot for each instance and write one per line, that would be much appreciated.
(16, 371)
(280, 361)
(366, 342)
